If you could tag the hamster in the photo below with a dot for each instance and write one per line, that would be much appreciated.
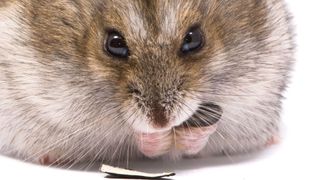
(110, 80)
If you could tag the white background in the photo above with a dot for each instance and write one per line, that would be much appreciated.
(298, 156)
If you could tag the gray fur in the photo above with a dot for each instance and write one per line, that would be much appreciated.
(55, 80)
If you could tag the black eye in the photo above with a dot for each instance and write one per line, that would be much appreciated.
(116, 45)
(192, 41)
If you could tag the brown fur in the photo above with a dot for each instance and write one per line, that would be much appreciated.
(243, 67)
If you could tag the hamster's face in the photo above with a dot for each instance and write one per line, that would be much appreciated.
(161, 62)
(158, 52)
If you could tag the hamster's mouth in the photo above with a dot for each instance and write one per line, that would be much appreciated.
(189, 138)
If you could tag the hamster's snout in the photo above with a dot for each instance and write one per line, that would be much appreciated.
(159, 115)
(157, 105)
(165, 107)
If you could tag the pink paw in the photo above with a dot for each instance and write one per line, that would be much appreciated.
(273, 140)
(48, 159)
(192, 140)
(155, 144)
(52, 159)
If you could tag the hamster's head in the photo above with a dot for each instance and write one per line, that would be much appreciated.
(162, 63)
(158, 54)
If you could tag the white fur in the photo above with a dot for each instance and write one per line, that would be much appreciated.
(136, 21)
(28, 132)
(43, 129)
(9, 28)
(235, 108)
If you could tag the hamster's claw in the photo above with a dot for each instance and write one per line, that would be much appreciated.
(48, 159)
(52, 159)
(275, 139)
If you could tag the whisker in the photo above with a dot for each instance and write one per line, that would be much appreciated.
(186, 122)
(225, 140)
(62, 140)
(121, 140)
(68, 137)
(79, 150)
(224, 152)
(79, 159)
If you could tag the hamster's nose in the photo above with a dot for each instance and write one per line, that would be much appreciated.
(158, 116)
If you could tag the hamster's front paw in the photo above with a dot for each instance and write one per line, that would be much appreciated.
(192, 140)
(154, 144)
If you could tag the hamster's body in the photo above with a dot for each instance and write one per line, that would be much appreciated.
(63, 98)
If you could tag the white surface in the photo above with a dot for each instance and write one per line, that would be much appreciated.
(297, 157)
